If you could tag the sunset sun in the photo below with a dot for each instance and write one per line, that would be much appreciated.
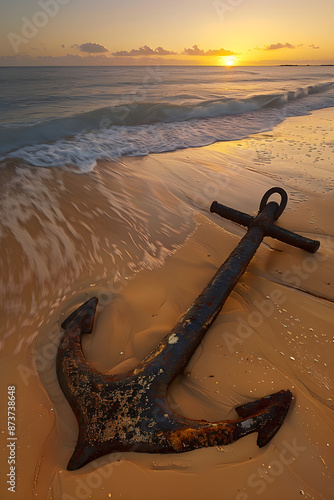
(228, 60)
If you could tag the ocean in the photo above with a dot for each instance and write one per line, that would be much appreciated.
(54, 116)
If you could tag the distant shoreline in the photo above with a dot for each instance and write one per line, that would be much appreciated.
(306, 65)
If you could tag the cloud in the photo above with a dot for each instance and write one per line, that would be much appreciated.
(276, 46)
(196, 51)
(219, 52)
(312, 46)
(160, 51)
(91, 48)
(145, 50)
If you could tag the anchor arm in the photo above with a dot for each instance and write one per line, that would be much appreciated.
(77, 377)
(264, 416)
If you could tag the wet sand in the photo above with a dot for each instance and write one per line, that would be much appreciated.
(147, 250)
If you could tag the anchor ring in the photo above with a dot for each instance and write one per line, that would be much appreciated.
(281, 206)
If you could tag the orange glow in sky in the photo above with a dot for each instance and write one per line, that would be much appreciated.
(217, 32)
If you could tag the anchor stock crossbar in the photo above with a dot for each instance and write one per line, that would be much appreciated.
(130, 411)
(265, 221)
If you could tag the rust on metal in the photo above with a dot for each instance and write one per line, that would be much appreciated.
(130, 411)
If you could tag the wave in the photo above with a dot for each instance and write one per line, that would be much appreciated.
(129, 128)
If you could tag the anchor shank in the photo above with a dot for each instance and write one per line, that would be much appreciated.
(179, 345)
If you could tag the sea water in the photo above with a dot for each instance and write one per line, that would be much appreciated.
(54, 116)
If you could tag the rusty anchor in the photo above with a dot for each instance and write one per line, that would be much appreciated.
(130, 411)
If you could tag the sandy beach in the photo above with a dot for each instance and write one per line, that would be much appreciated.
(275, 330)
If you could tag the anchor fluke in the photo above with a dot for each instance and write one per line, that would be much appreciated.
(82, 317)
(274, 407)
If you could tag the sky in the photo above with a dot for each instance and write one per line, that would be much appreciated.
(158, 32)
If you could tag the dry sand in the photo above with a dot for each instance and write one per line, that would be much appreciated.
(274, 332)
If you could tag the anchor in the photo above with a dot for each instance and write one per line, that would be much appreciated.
(130, 411)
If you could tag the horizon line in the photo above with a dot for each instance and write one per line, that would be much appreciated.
(160, 65)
